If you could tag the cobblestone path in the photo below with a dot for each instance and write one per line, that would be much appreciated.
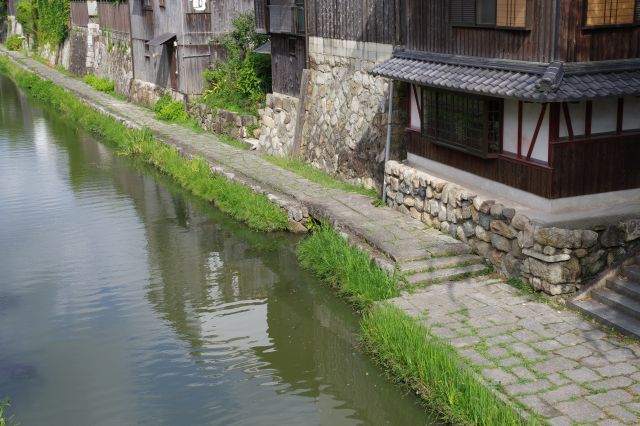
(547, 359)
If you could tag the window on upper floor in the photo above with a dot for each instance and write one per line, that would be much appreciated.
(462, 122)
(489, 13)
(611, 12)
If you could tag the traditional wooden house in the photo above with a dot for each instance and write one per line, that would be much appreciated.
(173, 42)
(538, 95)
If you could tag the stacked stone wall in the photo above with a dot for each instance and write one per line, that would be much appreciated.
(219, 121)
(550, 259)
(345, 123)
(278, 124)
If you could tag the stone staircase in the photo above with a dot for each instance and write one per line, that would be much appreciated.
(615, 301)
(445, 268)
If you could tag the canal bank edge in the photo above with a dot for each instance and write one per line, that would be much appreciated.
(236, 195)
(573, 355)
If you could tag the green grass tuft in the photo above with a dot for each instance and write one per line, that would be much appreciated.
(350, 270)
(105, 85)
(309, 172)
(167, 109)
(433, 369)
(237, 200)
(14, 42)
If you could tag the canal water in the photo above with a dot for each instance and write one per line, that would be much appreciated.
(124, 301)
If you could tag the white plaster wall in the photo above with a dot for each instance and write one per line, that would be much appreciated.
(631, 117)
(605, 115)
(415, 114)
(577, 112)
(530, 115)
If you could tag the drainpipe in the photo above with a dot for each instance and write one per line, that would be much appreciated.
(387, 148)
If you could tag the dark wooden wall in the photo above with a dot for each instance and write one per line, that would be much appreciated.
(360, 20)
(79, 13)
(286, 68)
(114, 16)
(428, 28)
(577, 44)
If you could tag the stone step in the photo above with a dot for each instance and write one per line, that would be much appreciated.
(632, 272)
(448, 249)
(628, 288)
(438, 263)
(444, 274)
(617, 301)
(609, 316)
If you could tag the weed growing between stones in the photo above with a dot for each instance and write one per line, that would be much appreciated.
(348, 269)
(195, 175)
(309, 172)
(433, 369)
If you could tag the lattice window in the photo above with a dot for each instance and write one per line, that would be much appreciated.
(511, 13)
(462, 122)
(612, 12)
(489, 13)
(262, 20)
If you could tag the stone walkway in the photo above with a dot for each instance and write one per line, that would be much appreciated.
(550, 361)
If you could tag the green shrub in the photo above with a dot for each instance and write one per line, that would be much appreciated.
(241, 82)
(347, 268)
(169, 110)
(105, 85)
(44, 21)
(433, 368)
(14, 42)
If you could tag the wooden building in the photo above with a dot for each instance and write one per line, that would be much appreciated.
(540, 95)
(173, 42)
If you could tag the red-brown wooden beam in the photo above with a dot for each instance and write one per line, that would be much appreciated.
(567, 119)
(587, 119)
(520, 108)
(535, 134)
(620, 116)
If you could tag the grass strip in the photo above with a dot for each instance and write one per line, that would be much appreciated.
(318, 176)
(433, 369)
(348, 269)
(194, 175)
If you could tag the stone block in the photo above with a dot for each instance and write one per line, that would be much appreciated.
(496, 211)
(559, 238)
(631, 229)
(613, 236)
(501, 228)
(546, 258)
(501, 243)
(485, 221)
(520, 222)
(483, 234)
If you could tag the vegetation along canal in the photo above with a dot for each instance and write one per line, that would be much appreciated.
(123, 300)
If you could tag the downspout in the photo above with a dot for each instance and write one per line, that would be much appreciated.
(387, 148)
(556, 31)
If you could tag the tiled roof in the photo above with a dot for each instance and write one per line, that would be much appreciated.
(539, 82)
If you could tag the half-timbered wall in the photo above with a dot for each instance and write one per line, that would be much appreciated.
(429, 28)
(578, 43)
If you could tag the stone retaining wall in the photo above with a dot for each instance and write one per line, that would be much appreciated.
(550, 259)
(278, 124)
(219, 121)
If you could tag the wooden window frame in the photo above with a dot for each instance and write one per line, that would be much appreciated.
(147, 5)
(585, 26)
(433, 134)
(527, 26)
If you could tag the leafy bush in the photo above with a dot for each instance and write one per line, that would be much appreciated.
(105, 85)
(169, 110)
(44, 21)
(240, 83)
(14, 42)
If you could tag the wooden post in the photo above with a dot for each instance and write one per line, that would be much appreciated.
(302, 100)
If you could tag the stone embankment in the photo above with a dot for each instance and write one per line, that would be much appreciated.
(546, 359)
(550, 259)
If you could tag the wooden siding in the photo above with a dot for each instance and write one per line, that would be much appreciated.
(599, 165)
(114, 16)
(79, 13)
(504, 170)
(287, 67)
(428, 28)
(360, 20)
(578, 44)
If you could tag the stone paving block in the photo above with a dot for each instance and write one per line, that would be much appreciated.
(561, 421)
(475, 357)
(526, 336)
(493, 331)
(548, 345)
(497, 352)
(444, 332)
(635, 389)
(500, 339)
(557, 379)
(580, 410)
(616, 382)
(614, 397)
(461, 342)
(570, 339)
(529, 388)
(609, 422)
(523, 373)
(554, 365)
(600, 346)
(563, 393)
(574, 352)
(622, 414)
(498, 375)
(525, 351)
(510, 361)
(620, 369)
(619, 355)
(594, 362)
(539, 406)
(582, 375)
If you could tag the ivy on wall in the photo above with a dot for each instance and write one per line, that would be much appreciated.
(44, 21)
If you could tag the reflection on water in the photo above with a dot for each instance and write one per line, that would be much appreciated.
(124, 301)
